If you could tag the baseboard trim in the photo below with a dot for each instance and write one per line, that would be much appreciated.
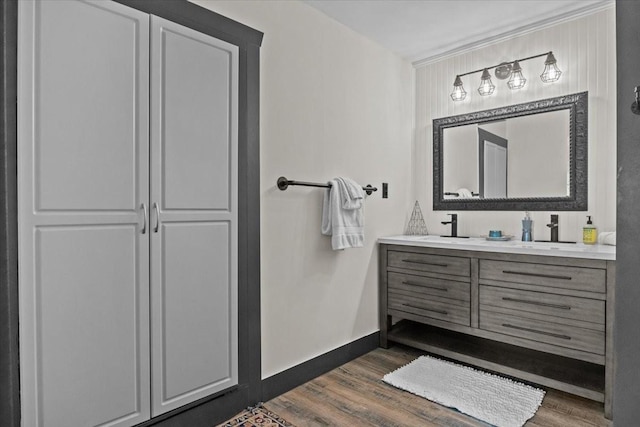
(291, 378)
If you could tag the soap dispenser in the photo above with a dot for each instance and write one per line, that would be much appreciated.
(589, 233)
(527, 225)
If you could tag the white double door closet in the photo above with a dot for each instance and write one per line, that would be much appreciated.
(127, 194)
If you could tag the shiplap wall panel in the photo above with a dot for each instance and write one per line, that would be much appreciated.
(585, 51)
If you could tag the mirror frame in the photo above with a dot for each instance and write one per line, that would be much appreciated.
(577, 200)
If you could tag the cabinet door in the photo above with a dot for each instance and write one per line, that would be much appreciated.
(194, 82)
(83, 176)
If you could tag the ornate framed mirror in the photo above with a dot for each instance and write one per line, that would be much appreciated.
(530, 156)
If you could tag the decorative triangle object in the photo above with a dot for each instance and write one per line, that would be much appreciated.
(417, 226)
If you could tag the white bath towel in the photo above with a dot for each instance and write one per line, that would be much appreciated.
(343, 214)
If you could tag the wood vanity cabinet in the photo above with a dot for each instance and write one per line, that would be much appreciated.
(543, 319)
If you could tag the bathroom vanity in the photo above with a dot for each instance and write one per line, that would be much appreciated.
(540, 312)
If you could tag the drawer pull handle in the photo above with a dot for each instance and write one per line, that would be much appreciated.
(551, 334)
(543, 304)
(425, 263)
(546, 276)
(426, 309)
(422, 285)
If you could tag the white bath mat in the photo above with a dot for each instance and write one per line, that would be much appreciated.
(487, 397)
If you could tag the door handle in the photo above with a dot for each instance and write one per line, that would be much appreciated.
(635, 107)
(144, 218)
(155, 208)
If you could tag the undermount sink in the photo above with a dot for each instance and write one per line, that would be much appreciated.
(446, 239)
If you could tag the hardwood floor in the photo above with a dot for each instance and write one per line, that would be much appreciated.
(354, 395)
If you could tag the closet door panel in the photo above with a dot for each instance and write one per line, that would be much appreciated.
(87, 323)
(195, 289)
(85, 157)
(83, 147)
(196, 141)
(194, 219)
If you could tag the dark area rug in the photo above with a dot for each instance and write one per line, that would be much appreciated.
(256, 417)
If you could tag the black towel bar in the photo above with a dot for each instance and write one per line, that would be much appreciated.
(283, 183)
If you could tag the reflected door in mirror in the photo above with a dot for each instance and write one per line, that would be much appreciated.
(495, 171)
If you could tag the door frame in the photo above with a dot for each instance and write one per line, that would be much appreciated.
(214, 408)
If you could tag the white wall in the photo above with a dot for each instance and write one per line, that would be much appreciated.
(585, 49)
(332, 104)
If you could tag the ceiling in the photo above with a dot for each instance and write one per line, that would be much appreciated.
(420, 30)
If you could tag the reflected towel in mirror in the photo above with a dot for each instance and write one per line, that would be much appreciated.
(464, 193)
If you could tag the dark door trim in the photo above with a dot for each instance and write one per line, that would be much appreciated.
(9, 356)
(207, 411)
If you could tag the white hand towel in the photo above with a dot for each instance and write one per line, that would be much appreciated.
(607, 238)
(345, 225)
(351, 193)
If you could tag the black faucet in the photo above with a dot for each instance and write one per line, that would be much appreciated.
(454, 225)
(554, 228)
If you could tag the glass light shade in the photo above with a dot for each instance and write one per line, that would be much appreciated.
(517, 80)
(551, 71)
(486, 86)
(458, 93)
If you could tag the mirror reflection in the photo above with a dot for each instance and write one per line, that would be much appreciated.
(517, 157)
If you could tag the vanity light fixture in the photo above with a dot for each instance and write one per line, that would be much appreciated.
(517, 80)
(486, 85)
(458, 93)
(551, 71)
(511, 70)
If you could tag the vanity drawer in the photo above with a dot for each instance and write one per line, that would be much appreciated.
(429, 286)
(564, 306)
(448, 310)
(432, 263)
(559, 334)
(555, 276)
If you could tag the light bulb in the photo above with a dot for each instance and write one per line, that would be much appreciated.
(486, 86)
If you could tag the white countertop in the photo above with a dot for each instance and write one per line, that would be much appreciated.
(570, 250)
